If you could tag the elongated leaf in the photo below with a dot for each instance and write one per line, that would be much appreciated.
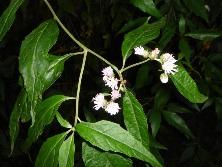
(39, 69)
(20, 106)
(49, 151)
(62, 121)
(140, 36)
(93, 157)
(8, 16)
(167, 35)
(177, 122)
(204, 35)
(135, 119)
(111, 137)
(66, 152)
(187, 87)
(147, 6)
(155, 121)
(197, 7)
(45, 113)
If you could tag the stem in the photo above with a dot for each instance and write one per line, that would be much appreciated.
(75, 40)
(79, 86)
(134, 65)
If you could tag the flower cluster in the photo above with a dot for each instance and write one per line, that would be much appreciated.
(100, 101)
(167, 61)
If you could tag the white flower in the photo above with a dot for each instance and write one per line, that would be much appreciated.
(164, 78)
(108, 72)
(141, 51)
(111, 82)
(112, 108)
(115, 94)
(99, 101)
(154, 54)
(168, 63)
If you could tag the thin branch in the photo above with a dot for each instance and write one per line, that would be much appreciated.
(133, 65)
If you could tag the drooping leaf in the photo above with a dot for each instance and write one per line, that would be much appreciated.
(187, 87)
(201, 35)
(155, 121)
(39, 69)
(64, 123)
(197, 7)
(147, 6)
(45, 113)
(182, 25)
(93, 157)
(49, 151)
(176, 121)
(8, 16)
(21, 105)
(135, 118)
(111, 137)
(140, 36)
(66, 152)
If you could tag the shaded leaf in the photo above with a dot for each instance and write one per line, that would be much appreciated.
(197, 7)
(49, 151)
(177, 122)
(142, 77)
(135, 118)
(140, 36)
(45, 113)
(155, 121)
(66, 152)
(64, 123)
(147, 6)
(111, 137)
(167, 35)
(93, 157)
(187, 87)
(204, 35)
(8, 16)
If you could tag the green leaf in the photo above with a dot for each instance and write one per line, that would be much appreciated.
(173, 107)
(167, 35)
(49, 151)
(182, 25)
(66, 152)
(142, 77)
(39, 69)
(197, 7)
(185, 49)
(177, 122)
(45, 113)
(155, 121)
(20, 106)
(93, 157)
(147, 6)
(140, 36)
(187, 87)
(135, 118)
(111, 137)
(64, 123)
(8, 16)
(204, 35)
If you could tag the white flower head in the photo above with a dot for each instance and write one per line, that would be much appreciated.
(115, 94)
(108, 72)
(141, 51)
(112, 108)
(168, 63)
(111, 82)
(99, 101)
(164, 78)
(154, 54)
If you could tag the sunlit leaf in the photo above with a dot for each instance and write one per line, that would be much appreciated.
(93, 157)
(135, 118)
(147, 6)
(45, 113)
(8, 16)
(140, 36)
(49, 151)
(66, 152)
(111, 137)
(187, 87)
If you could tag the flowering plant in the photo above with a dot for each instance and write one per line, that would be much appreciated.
(39, 69)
